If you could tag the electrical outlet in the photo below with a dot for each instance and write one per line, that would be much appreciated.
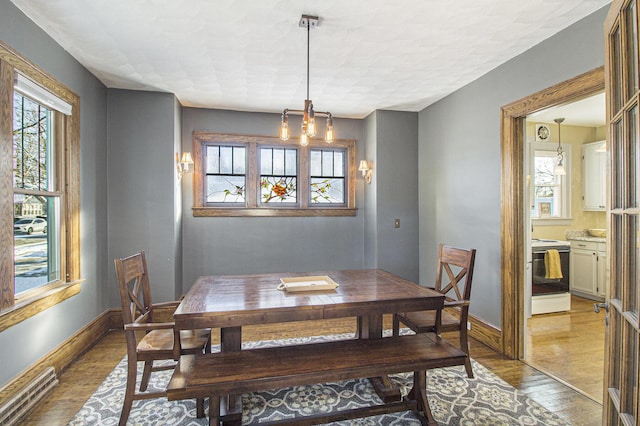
(468, 325)
(396, 223)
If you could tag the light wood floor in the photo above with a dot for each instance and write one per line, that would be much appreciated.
(81, 379)
(570, 346)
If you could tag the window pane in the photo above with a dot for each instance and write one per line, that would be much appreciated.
(632, 49)
(278, 161)
(36, 241)
(278, 189)
(225, 189)
(338, 163)
(213, 159)
(291, 162)
(325, 190)
(631, 158)
(226, 160)
(266, 162)
(327, 163)
(315, 162)
(617, 158)
(239, 160)
(631, 284)
(31, 144)
(616, 70)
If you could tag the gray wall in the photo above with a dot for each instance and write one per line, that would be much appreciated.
(397, 192)
(43, 332)
(391, 148)
(143, 186)
(234, 245)
(459, 154)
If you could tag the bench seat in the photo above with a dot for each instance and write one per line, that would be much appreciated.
(217, 375)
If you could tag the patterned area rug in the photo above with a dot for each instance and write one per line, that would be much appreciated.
(454, 399)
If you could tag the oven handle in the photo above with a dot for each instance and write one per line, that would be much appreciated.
(544, 250)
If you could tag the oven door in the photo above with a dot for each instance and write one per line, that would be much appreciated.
(540, 283)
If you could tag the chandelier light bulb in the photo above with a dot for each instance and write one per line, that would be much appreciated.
(304, 139)
(284, 128)
(328, 136)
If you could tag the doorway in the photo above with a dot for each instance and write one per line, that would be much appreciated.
(561, 329)
(513, 244)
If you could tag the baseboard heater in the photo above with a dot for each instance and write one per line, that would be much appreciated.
(23, 401)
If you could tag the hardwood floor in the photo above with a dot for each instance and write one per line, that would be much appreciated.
(81, 379)
(570, 346)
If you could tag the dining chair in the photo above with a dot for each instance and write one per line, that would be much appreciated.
(458, 265)
(147, 340)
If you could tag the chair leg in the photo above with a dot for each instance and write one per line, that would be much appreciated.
(130, 390)
(199, 408)
(146, 375)
(464, 346)
(396, 325)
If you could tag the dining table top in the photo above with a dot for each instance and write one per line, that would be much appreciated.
(238, 300)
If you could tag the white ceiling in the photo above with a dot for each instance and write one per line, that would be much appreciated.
(250, 55)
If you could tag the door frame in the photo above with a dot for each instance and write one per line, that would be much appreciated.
(512, 145)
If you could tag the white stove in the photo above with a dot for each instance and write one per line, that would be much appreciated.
(535, 242)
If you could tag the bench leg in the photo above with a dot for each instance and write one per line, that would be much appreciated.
(419, 394)
(214, 410)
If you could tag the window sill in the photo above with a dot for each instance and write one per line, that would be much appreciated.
(560, 221)
(31, 306)
(282, 212)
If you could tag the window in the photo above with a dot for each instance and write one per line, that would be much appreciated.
(551, 193)
(40, 163)
(236, 175)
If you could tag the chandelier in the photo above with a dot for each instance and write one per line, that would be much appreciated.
(308, 113)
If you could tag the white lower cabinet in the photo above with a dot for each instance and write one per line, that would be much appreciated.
(587, 269)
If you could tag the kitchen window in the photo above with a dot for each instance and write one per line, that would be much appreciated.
(40, 163)
(550, 193)
(240, 175)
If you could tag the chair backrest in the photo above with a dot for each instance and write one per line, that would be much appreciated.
(458, 265)
(133, 284)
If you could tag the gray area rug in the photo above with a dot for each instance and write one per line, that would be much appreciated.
(454, 399)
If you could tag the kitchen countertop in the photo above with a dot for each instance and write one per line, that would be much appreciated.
(584, 236)
(591, 239)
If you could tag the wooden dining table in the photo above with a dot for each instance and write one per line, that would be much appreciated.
(230, 302)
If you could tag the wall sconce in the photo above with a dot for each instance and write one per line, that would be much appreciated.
(184, 163)
(366, 170)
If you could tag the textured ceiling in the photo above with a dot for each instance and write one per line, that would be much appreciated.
(250, 55)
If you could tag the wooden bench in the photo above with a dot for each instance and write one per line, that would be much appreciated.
(217, 375)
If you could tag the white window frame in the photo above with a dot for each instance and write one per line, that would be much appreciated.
(564, 183)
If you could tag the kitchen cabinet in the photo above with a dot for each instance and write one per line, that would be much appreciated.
(587, 269)
(594, 180)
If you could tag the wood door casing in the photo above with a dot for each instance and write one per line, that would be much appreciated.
(512, 194)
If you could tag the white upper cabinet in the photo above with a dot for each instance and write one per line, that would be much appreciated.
(594, 170)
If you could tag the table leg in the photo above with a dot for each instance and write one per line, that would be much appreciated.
(370, 327)
(419, 394)
(231, 340)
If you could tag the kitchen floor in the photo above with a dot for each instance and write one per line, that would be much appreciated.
(570, 346)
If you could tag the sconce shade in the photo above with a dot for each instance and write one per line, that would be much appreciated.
(363, 167)
(186, 158)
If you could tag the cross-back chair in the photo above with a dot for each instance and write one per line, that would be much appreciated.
(147, 340)
(458, 265)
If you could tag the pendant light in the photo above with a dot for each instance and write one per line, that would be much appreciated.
(559, 170)
(308, 113)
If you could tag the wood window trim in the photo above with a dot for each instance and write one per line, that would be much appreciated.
(16, 309)
(253, 210)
